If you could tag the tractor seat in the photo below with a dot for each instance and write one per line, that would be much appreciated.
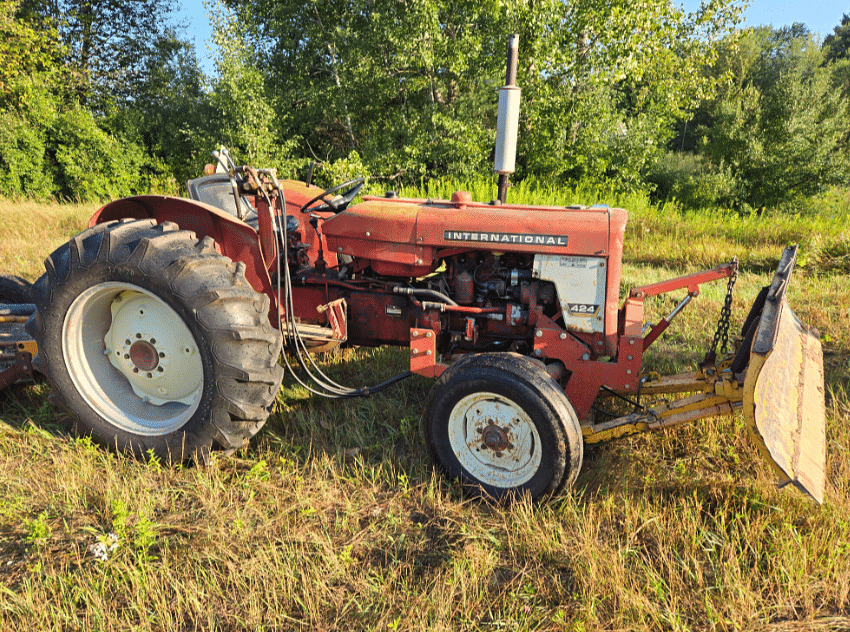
(217, 191)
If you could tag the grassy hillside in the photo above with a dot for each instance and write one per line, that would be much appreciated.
(333, 519)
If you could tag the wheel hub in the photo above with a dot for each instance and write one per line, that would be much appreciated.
(152, 347)
(144, 355)
(494, 439)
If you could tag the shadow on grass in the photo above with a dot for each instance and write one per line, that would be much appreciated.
(25, 404)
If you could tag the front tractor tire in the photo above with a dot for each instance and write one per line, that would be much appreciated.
(503, 427)
(153, 341)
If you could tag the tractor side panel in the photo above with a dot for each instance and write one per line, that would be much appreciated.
(373, 318)
(405, 237)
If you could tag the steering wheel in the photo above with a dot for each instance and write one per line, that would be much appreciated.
(337, 203)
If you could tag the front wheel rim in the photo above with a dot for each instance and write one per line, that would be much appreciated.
(494, 440)
(132, 359)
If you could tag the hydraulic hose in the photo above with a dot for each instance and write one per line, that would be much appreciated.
(334, 390)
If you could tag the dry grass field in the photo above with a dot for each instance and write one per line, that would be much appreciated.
(333, 519)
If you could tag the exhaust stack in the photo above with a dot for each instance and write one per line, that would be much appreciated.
(507, 122)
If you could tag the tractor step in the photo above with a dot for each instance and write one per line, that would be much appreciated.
(321, 338)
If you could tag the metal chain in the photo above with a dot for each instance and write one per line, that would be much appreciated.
(722, 332)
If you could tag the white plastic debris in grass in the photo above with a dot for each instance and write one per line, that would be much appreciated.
(104, 547)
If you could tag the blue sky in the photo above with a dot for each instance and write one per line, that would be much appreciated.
(821, 16)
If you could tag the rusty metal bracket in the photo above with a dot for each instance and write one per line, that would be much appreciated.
(336, 318)
(22, 369)
(423, 353)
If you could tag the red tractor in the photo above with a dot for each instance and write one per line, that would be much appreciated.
(161, 326)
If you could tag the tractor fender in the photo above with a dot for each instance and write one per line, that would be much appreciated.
(233, 238)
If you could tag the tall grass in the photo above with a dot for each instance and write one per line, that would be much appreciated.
(333, 519)
(29, 231)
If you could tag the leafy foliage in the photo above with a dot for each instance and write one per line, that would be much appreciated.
(23, 168)
(689, 180)
(606, 81)
(406, 93)
(779, 125)
(90, 163)
(243, 114)
(98, 99)
(837, 44)
(106, 45)
(411, 87)
(399, 84)
(27, 52)
(169, 118)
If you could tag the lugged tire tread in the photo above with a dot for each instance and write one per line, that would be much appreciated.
(14, 289)
(246, 379)
(533, 377)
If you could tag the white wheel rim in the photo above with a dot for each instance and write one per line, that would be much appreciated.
(132, 359)
(494, 440)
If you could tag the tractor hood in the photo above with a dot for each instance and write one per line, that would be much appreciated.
(404, 237)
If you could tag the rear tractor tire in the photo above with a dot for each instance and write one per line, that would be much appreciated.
(153, 341)
(503, 427)
(14, 289)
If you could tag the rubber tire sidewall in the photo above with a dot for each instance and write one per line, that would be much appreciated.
(195, 438)
(14, 290)
(524, 382)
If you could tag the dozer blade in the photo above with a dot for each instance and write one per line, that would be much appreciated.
(784, 390)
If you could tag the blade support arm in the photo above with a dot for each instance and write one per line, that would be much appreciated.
(689, 281)
(722, 396)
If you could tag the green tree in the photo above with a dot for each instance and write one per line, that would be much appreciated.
(411, 86)
(837, 44)
(169, 117)
(106, 44)
(837, 52)
(28, 55)
(604, 82)
(779, 125)
(50, 144)
(242, 111)
(403, 85)
(28, 63)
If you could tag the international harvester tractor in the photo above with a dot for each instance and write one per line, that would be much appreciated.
(161, 328)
